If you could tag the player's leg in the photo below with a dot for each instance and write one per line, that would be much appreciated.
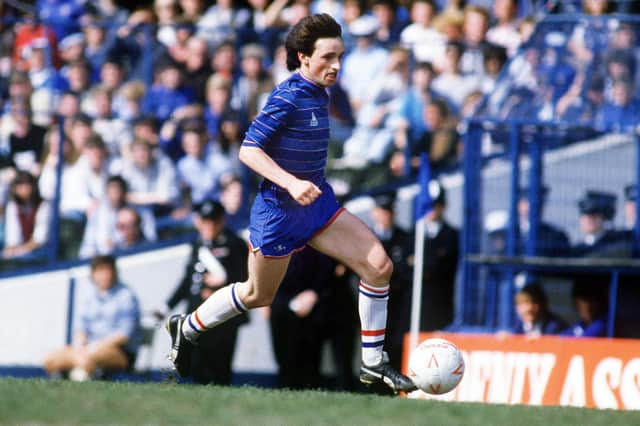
(265, 276)
(351, 242)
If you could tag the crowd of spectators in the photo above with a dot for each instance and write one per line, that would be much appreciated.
(150, 105)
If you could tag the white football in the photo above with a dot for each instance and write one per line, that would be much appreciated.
(436, 366)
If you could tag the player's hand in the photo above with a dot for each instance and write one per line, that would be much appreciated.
(304, 192)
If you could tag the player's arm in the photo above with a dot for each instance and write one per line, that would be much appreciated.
(303, 191)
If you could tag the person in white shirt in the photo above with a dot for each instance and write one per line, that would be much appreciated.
(426, 43)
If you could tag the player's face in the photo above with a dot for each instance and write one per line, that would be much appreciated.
(324, 63)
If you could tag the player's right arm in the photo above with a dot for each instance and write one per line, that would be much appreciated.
(263, 131)
(303, 191)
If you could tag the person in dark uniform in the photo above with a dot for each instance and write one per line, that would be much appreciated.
(296, 319)
(441, 249)
(597, 209)
(399, 245)
(534, 316)
(218, 257)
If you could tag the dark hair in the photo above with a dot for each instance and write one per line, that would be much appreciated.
(23, 177)
(441, 105)
(120, 181)
(303, 36)
(536, 293)
(101, 260)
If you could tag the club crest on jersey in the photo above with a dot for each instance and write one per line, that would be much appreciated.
(314, 120)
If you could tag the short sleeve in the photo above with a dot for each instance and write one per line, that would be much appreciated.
(271, 119)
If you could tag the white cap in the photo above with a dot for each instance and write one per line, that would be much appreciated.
(71, 40)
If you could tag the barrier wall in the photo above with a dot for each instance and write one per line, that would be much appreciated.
(596, 373)
(35, 310)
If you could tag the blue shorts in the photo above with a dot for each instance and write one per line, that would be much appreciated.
(279, 225)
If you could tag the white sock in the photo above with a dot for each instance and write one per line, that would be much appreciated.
(372, 305)
(219, 307)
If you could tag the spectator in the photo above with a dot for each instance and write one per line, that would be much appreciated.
(47, 181)
(178, 50)
(26, 32)
(80, 131)
(151, 178)
(218, 258)
(128, 102)
(62, 15)
(71, 50)
(218, 98)
(79, 79)
(43, 76)
(534, 316)
(221, 21)
(101, 228)
(114, 131)
(440, 142)
(622, 113)
(399, 245)
(224, 60)
(167, 94)
(476, 25)
(391, 21)
(365, 63)
(439, 264)
(192, 9)
(426, 43)
(197, 68)
(578, 107)
(107, 334)
(227, 145)
(591, 305)
(129, 234)
(68, 108)
(372, 138)
(493, 58)
(112, 74)
(26, 140)
(99, 44)
(166, 12)
(589, 38)
(235, 203)
(255, 84)
(452, 80)
(201, 168)
(27, 218)
(505, 33)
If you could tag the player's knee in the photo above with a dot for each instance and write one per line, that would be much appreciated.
(255, 297)
(380, 271)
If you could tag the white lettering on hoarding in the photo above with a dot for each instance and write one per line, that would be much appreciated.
(630, 385)
(573, 389)
(606, 377)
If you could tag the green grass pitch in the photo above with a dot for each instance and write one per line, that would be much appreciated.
(26, 401)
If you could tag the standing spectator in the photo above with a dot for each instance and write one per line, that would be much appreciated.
(235, 203)
(399, 245)
(211, 360)
(27, 218)
(151, 178)
(365, 63)
(597, 210)
(439, 264)
(534, 316)
(107, 335)
(100, 232)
